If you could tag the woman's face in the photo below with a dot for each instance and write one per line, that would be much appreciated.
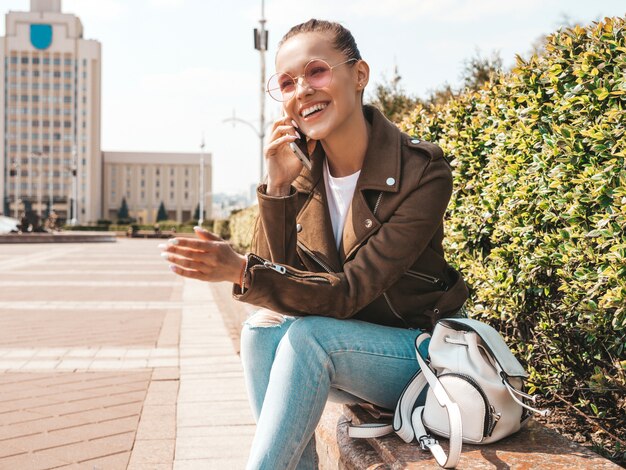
(340, 99)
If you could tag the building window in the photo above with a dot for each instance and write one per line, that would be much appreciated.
(143, 195)
(171, 195)
(158, 183)
(56, 61)
(35, 60)
(143, 183)
(24, 60)
(186, 183)
(67, 61)
(186, 195)
(171, 183)
(14, 60)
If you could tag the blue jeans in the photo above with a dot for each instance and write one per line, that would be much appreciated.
(290, 365)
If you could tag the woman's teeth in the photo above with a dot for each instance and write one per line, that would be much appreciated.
(312, 109)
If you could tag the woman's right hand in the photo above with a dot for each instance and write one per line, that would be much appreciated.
(283, 167)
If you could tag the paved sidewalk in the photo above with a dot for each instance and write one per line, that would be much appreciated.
(109, 361)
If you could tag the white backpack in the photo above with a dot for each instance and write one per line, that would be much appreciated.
(474, 392)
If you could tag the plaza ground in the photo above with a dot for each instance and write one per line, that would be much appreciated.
(110, 361)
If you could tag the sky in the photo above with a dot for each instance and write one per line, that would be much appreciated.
(174, 70)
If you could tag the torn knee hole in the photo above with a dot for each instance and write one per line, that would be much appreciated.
(264, 319)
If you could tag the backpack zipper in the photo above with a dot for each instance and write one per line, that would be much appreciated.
(491, 417)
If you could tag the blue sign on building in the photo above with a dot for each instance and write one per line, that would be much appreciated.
(41, 35)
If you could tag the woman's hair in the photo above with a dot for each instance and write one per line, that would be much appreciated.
(342, 38)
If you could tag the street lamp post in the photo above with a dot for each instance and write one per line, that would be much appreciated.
(201, 202)
(260, 44)
(74, 169)
(15, 171)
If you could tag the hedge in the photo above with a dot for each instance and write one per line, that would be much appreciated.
(242, 227)
(536, 222)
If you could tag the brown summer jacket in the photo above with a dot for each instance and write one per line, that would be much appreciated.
(390, 267)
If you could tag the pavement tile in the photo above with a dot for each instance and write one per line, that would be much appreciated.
(158, 410)
(210, 464)
(88, 404)
(37, 426)
(166, 373)
(210, 447)
(8, 450)
(150, 466)
(157, 427)
(19, 416)
(223, 430)
(110, 462)
(95, 448)
(152, 451)
(39, 461)
(101, 429)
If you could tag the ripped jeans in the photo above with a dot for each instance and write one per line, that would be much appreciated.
(290, 365)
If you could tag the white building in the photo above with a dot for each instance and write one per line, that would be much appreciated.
(147, 179)
(51, 97)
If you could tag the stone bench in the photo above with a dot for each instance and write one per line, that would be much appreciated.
(534, 447)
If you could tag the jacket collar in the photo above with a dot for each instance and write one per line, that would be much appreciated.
(382, 158)
(380, 172)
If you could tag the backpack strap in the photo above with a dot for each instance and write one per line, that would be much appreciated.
(454, 419)
(402, 424)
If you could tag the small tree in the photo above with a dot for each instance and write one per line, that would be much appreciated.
(162, 214)
(478, 70)
(122, 212)
(196, 214)
(390, 98)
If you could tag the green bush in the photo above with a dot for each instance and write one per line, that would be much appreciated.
(242, 227)
(221, 227)
(536, 222)
(86, 228)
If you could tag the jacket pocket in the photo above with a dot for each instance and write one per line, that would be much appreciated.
(432, 280)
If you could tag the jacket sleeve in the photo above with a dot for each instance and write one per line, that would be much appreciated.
(277, 215)
(276, 285)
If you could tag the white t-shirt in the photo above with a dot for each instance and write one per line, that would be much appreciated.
(339, 192)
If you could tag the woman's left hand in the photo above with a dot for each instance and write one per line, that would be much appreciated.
(208, 258)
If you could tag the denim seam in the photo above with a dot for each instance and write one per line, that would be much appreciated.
(317, 392)
(343, 351)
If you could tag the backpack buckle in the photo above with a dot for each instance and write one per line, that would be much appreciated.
(426, 442)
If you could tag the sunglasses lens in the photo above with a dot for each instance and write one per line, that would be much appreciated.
(317, 73)
(281, 86)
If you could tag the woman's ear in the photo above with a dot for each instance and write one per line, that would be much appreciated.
(362, 74)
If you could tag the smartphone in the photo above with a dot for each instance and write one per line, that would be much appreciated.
(299, 147)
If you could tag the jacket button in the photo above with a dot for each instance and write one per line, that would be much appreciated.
(415, 141)
(390, 181)
(368, 223)
(298, 228)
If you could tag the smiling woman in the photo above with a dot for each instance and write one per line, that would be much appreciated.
(347, 262)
